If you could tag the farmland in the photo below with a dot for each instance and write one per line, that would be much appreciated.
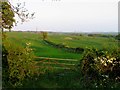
(58, 64)
(44, 50)
(40, 48)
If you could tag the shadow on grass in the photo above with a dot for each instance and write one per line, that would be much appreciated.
(57, 79)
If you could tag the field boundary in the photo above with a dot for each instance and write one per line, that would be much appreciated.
(57, 59)
(60, 65)
(61, 46)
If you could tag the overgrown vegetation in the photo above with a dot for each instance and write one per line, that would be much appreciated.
(118, 37)
(17, 63)
(101, 68)
(98, 68)
(7, 15)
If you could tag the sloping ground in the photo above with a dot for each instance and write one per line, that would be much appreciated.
(40, 48)
(84, 41)
(63, 63)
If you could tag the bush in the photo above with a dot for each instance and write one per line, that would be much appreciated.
(20, 63)
(118, 37)
(101, 65)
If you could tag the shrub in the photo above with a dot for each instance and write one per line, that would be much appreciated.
(118, 37)
(20, 62)
(45, 35)
(101, 65)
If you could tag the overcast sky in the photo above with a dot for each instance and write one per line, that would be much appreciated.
(71, 15)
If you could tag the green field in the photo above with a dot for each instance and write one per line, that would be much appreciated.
(83, 41)
(44, 50)
(40, 48)
(60, 61)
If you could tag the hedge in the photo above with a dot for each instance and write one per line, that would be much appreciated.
(61, 46)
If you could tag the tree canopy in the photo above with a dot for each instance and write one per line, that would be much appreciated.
(8, 11)
(7, 15)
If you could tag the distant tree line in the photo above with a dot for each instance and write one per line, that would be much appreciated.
(101, 35)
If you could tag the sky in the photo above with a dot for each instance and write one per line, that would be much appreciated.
(71, 15)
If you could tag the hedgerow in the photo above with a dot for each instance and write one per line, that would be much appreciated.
(101, 67)
(17, 63)
(66, 48)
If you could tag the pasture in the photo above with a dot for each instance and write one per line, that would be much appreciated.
(44, 50)
(58, 65)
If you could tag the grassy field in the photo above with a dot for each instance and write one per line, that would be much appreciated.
(83, 41)
(40, 48)
(63, 75)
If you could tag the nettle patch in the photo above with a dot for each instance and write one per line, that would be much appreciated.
(101, 66)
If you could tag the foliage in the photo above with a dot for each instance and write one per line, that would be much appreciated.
(5, 66)
(118, 37)
(45, 50)
(65, 47)
(17, 61)
(8, 12)
(20, 63)
(101, 35)
(45, 35)
(20, 10)
(7, 15)
(100, 64)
